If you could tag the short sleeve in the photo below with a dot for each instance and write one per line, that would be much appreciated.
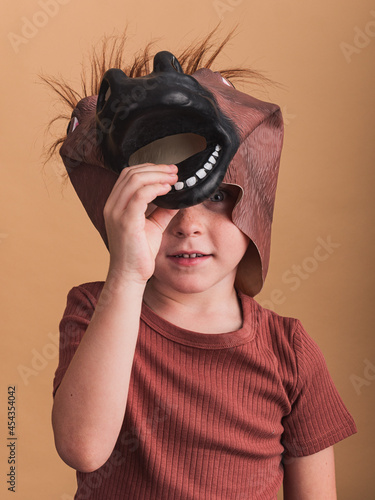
(79, 309)
(318, 417)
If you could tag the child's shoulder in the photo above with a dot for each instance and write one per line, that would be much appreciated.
(286, 337)
(266, 318)
(85, 295)
(92, 288)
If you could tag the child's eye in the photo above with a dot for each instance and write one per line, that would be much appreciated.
(219, 195)
(224, 199)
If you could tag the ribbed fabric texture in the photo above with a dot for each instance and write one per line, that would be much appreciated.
(209, 416)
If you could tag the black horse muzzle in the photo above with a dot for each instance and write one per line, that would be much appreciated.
(166, 114)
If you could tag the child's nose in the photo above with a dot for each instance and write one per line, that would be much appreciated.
(188, 222)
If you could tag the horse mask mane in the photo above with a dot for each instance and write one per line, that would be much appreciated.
(213, 132)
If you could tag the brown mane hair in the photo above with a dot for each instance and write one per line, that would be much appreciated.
(199, 54)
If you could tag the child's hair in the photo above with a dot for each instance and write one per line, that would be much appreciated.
(111, 54)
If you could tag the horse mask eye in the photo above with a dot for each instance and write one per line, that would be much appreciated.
(166, 117)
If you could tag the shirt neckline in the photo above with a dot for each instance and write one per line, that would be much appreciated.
(207, 340)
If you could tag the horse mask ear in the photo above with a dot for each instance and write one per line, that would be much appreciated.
(201, 122)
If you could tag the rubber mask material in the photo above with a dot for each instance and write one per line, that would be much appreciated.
(163, 117)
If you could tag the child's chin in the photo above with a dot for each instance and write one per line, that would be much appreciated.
(190, 286)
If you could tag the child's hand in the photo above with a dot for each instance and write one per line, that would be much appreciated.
(134, 240)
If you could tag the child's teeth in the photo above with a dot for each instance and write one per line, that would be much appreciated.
(190, 256)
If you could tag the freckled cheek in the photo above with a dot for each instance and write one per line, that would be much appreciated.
(236, 242)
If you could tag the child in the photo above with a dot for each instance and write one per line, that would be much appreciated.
(173, 383)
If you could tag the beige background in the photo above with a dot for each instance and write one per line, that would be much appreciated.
(322, 55)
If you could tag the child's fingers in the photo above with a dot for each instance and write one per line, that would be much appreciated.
(133, 178)
(135, 190)
(161, 217)
(119, 200)
(137, 205)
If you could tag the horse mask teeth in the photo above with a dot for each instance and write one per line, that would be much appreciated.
(155, 118)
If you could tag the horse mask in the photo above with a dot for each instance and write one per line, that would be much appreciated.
(213, 132)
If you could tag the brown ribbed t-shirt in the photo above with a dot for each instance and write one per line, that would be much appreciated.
(211, 416)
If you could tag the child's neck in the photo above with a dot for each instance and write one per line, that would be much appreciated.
(211, 311)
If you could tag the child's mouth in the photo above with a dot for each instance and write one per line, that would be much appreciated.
(189, 259)
(189, 256)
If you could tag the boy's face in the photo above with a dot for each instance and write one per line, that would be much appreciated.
(201, 247)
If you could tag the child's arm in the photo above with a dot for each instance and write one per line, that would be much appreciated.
(89, 405)
(311, 477)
